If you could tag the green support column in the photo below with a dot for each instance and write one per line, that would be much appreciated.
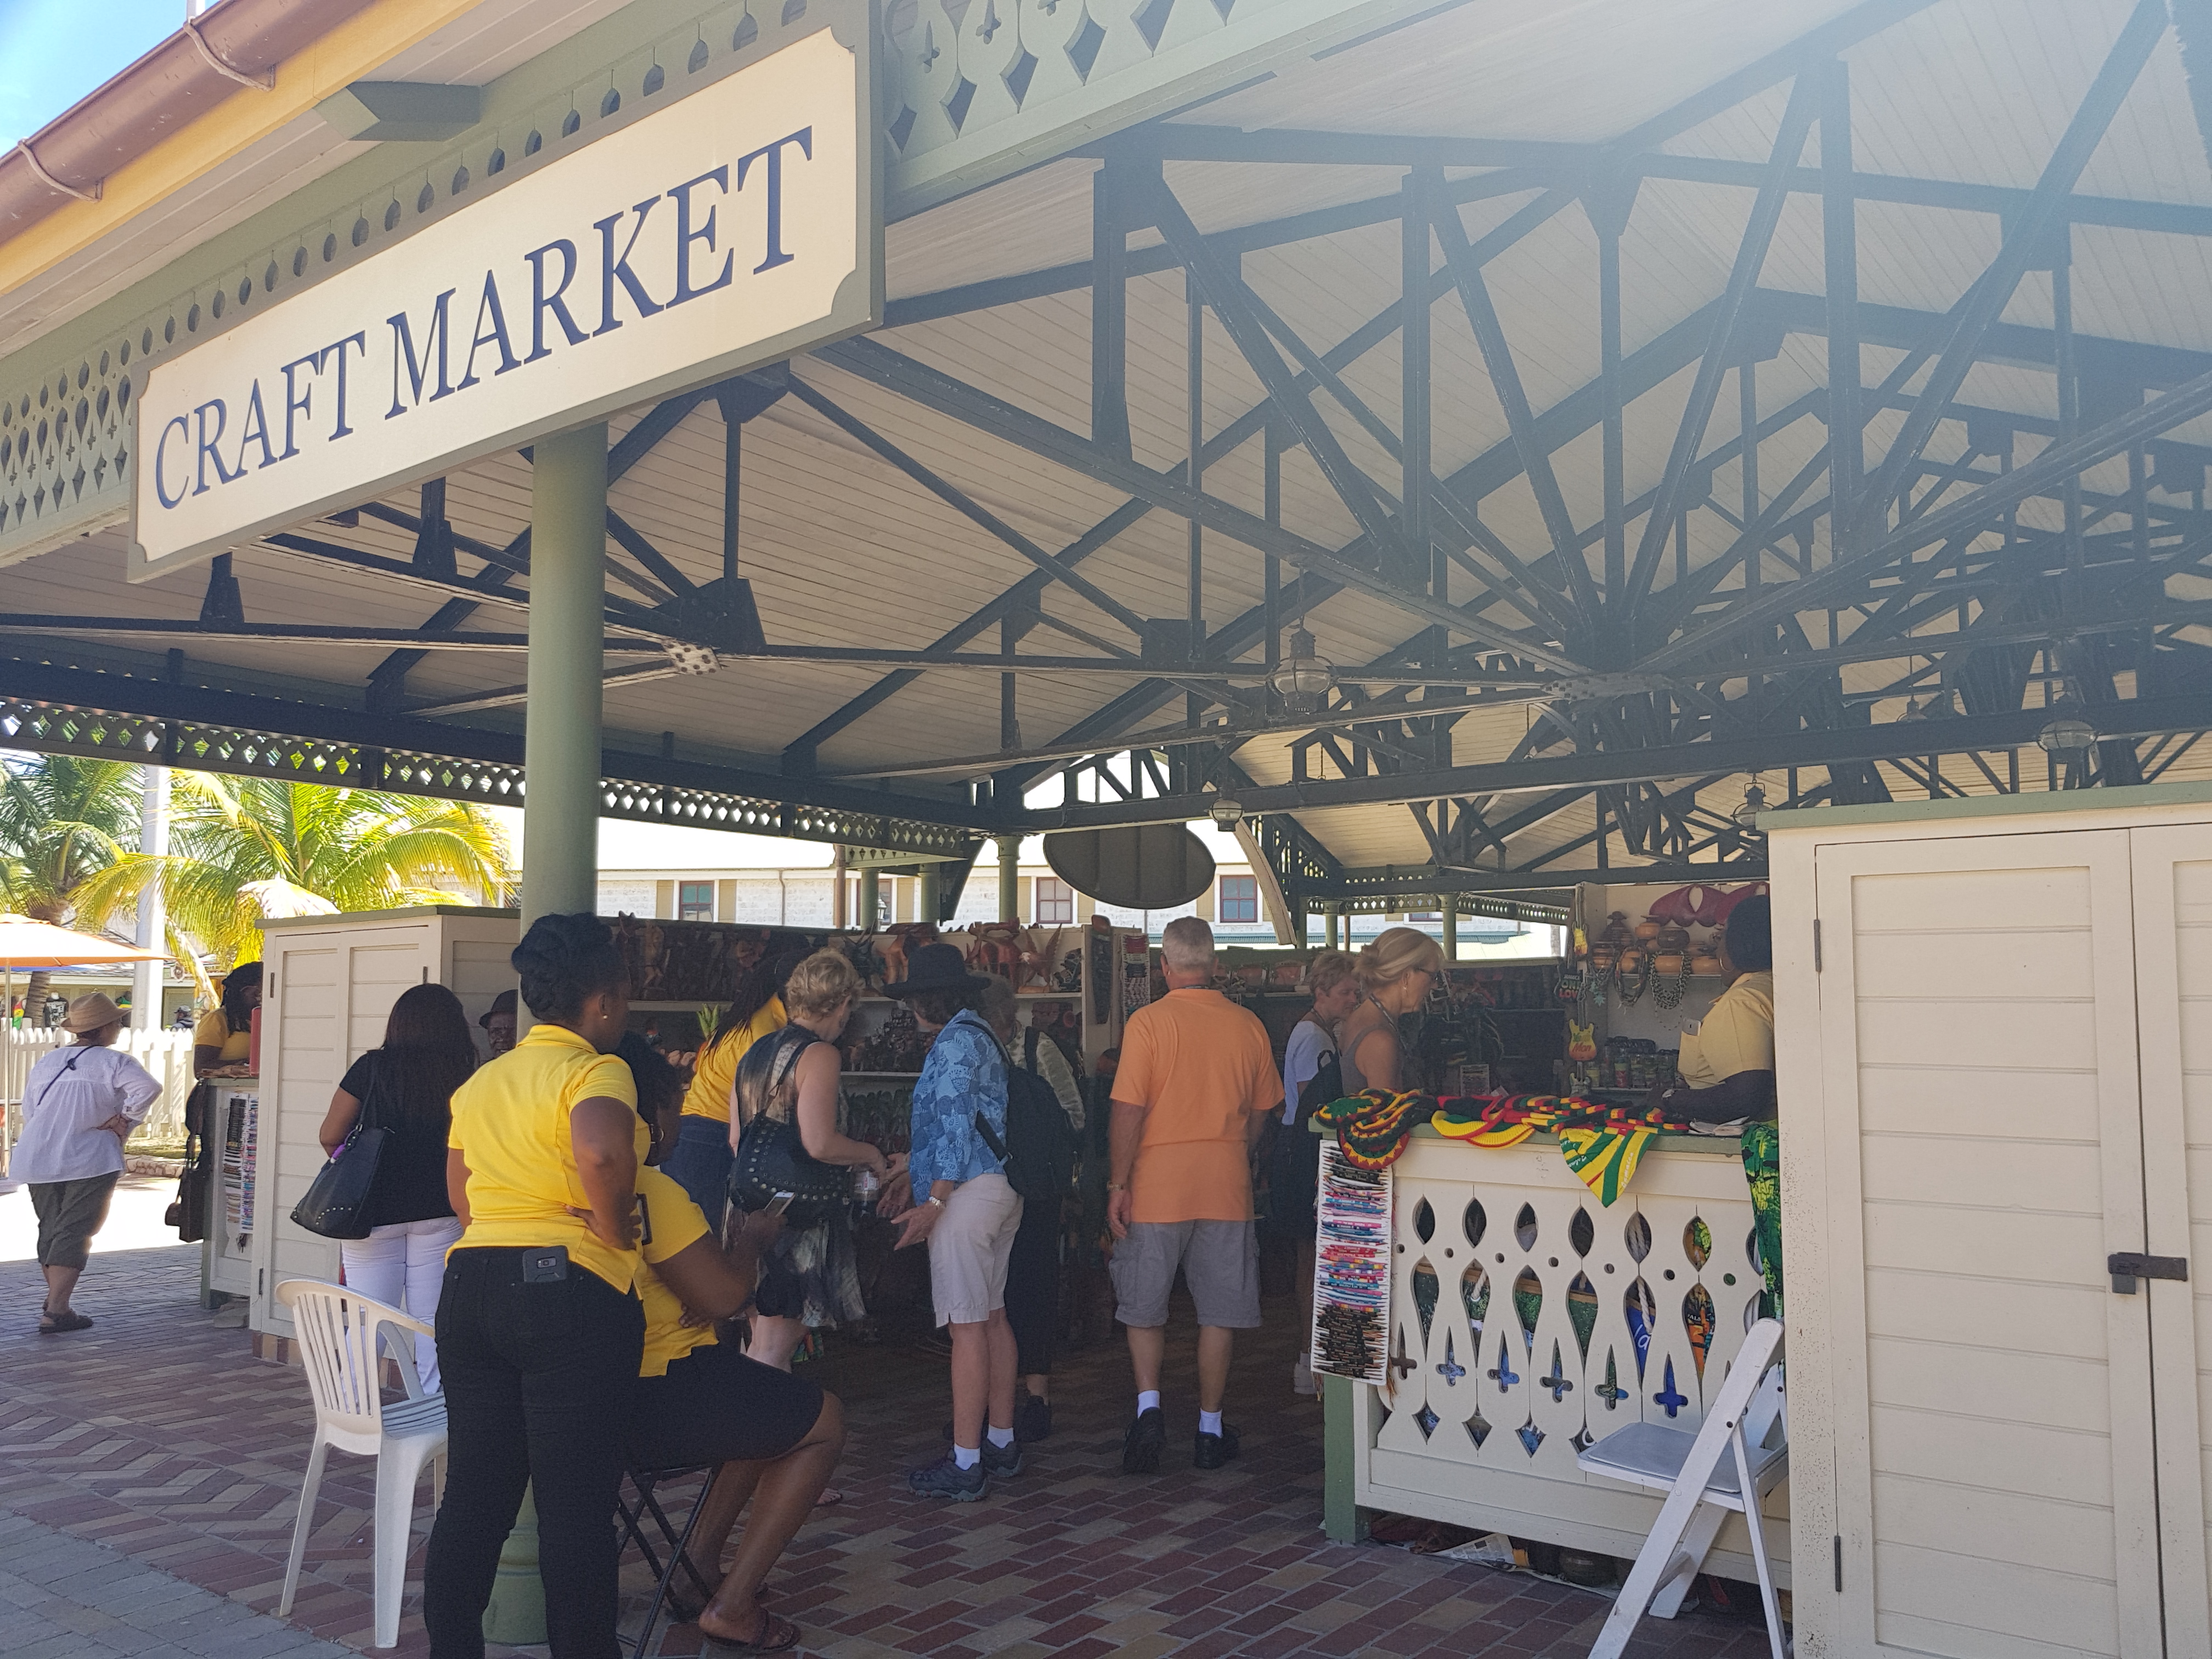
(870, 900)
(1449, 905)
(1009, 877)
(560, 800)
(925, 910)
(1341, 1519)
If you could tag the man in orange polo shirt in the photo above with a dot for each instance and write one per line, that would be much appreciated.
(1196, 1083)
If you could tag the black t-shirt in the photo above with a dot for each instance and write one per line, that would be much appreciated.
(410, 1176)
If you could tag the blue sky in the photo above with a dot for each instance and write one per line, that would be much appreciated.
(54, 51)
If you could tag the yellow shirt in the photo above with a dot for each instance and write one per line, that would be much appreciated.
(676, 1225)
(717, 1071)
(1737, 1036)
(212, 1031)
(511, 1123)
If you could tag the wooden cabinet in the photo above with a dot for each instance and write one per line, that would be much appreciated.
(1994, 1026)
(329, 986)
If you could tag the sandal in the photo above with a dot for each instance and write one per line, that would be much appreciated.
(776, 1636)
(55, 1324)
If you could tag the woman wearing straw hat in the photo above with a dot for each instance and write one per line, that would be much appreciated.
(79, 1105)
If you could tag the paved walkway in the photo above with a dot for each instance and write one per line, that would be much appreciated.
(65, 1597)
(156, 1439)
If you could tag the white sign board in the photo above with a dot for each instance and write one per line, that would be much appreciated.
(728, 228)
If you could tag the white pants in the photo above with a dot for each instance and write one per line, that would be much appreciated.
(401, 1266)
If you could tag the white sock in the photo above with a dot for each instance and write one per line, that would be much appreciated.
(1209, 1422)
(967, 1457)
(1149, 1400)
(1001, 1439)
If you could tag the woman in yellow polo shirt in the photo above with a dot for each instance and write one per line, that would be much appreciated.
(1727, 1062)
(772, 1437)
(700, 1160)
(540, 1333)
(222, 1037)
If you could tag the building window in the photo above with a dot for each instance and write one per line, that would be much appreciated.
(1055, 902)
(1240, 899)
(695, 901)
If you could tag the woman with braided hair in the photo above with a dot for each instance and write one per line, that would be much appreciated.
(540, 1333)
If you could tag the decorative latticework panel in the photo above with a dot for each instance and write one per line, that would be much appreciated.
(1529, 1320)
(62, 729)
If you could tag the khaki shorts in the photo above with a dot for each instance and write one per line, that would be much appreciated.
(969, 1249)
(1220, 1261)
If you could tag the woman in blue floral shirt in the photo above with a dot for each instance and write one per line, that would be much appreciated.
(968, 1213)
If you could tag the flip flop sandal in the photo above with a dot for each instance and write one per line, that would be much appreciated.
(52, 1326)
(776, 1635)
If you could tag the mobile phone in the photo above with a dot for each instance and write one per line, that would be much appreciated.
(780, 1202)
(549, 1266)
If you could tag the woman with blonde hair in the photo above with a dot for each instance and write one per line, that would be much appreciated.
(810, 1276)
(1396, 972)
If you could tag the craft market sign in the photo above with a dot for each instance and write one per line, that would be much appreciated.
(727, 229)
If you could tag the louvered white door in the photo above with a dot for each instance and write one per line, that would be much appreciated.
(2173, 989)
(1995, 1463)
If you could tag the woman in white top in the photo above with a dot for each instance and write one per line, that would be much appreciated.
(1294, 1160)
(79, 1105)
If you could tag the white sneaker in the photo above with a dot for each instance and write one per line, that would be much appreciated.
(1302, 1376)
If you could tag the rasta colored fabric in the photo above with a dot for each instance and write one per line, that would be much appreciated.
(1603, 1145)
(1605, 1158)
(1762, 1169)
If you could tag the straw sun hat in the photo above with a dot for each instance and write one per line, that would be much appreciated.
(91, 1012)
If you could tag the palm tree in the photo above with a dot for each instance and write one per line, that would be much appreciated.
(63, 820)
(244, 849)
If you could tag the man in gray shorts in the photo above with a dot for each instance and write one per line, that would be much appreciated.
(1191, 1094)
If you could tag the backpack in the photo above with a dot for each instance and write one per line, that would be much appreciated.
(1039, 1148)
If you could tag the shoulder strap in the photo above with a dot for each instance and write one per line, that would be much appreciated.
(1030, 1050)
(78, 1053)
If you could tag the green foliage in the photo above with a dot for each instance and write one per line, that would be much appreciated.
(241, 848)
(62, 820)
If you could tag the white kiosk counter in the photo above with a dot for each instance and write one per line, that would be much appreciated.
(1527, 1319)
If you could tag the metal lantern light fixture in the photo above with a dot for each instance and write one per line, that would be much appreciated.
(1302, 679)
(2067, 733)
(1754, 803)
(1225, 812)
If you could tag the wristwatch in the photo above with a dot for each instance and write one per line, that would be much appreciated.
(934, 1199)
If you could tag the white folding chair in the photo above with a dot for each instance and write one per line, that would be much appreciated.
(1742, 1449)
(337, 1333)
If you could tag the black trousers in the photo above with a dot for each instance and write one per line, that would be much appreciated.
(539, 1380)
(1033, 1286)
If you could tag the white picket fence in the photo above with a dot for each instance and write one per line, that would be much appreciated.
(167, 1054)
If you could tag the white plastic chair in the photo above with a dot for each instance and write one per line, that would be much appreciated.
(337, 1333)
(1701, 1489)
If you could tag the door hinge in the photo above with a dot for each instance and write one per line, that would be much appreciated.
(1816, 945)
(1839, 1564)
(2126, 1266)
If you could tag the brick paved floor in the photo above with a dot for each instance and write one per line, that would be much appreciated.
(65, 1597)
(156, 1435)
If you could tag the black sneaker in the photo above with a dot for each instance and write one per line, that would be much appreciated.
(1001, 1462)
(1140, 1451)
(946, 1479)
(1033, 1418)
(1210, 1451)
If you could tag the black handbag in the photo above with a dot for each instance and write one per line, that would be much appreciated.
(336, 1201)
(772, 1158)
